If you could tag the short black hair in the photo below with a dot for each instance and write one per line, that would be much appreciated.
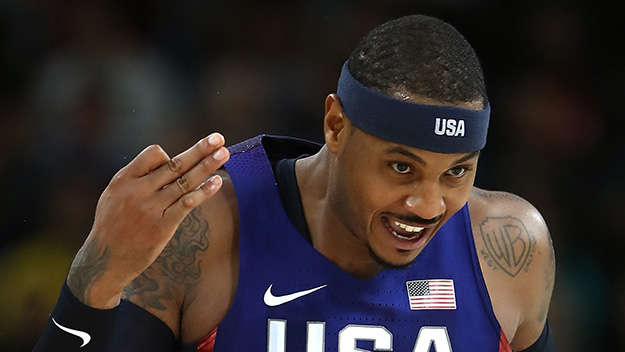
(419, 55)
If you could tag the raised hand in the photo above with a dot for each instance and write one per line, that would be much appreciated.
(137, 215)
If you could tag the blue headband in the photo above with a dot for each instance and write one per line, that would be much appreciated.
(440, 129)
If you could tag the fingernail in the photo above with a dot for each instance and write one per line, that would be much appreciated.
(216, 180)
(220, 154)
(214, 139)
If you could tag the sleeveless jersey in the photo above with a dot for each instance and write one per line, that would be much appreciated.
(291, 298)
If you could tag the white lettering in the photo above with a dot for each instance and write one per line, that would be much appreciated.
(382, 338)
(449, 127)
(276, 336)
(315, 336)
(436, 335)
(439, 129)
(348, 337)
(460, 129)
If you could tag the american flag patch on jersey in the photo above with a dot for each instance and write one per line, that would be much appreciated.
(431, 294)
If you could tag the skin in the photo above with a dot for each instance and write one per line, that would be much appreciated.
(171, 246)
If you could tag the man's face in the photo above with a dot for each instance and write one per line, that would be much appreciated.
(393, 198)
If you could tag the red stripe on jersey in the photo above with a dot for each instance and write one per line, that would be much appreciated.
(208, 342)
(504, 345)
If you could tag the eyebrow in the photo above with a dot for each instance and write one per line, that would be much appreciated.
(418, 159)
(467, 157)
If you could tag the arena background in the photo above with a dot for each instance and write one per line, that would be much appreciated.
(86, 84)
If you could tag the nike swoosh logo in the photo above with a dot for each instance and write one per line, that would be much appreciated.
(273, 301)
(83, 335)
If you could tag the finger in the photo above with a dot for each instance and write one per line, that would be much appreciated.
(177, 166)
(197, 175)
(150, 159)
(178, 210)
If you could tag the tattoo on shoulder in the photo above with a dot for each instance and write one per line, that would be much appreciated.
(496, 194)
(89, 265)
(508, 245)
(178, 264)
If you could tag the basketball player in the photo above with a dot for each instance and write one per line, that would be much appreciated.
(375, 241)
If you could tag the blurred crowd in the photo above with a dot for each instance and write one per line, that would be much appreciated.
(87, 84)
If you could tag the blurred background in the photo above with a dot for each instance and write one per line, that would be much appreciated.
(87, 84)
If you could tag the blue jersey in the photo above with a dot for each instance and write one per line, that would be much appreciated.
(290, 297)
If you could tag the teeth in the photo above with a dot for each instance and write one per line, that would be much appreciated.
(403, 237)
(409, 228)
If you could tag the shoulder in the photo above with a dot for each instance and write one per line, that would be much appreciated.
(200, 260)
(517, 259)
(503, 215)
(500, 203)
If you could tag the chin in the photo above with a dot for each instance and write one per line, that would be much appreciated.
(388, 264)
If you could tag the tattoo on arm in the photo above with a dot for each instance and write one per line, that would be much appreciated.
(178, 264)
(508, 245)
(550, 273)
(87, 268)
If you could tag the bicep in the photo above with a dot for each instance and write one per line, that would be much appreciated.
(537, 284)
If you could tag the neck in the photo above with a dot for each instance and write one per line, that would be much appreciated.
(328, 232)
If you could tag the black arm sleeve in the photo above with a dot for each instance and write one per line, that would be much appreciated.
(74, 326)
(545, 342)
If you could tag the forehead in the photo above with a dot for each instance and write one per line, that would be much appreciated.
(424, 157)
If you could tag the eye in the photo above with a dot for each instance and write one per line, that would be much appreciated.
(457, 171)
(401, 168)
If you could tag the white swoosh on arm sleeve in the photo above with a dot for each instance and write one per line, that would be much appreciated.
(83, 335)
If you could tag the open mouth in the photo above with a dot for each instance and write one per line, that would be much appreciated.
(404, 231)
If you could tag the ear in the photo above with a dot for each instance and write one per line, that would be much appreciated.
(335, 124)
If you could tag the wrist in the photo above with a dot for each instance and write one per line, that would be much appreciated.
(97, 292)
(91, 279)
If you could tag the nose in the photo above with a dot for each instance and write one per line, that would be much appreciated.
(426, 201)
